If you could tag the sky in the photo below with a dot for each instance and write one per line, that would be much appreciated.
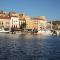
(33, 8)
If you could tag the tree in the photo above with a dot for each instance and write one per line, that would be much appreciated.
(23, 26)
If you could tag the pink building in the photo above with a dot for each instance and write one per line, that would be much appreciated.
(40, 23)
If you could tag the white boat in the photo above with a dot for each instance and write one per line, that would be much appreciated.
(56, 32)
(4, 31)
(44, 32)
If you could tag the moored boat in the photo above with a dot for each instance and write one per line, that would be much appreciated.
(4, 31)
(44, 32)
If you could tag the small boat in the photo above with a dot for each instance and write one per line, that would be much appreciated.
(44, 32)
(4, 31)
(56, 32)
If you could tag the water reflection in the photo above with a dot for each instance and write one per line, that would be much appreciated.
(29, 47)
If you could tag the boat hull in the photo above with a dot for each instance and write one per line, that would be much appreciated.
(44, 32)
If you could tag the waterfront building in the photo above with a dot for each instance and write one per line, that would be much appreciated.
(13, 13)
(56, 25)
(29, 23)
(4, 22)
(14, 22)
(40, 23)
(2, 14)
(21, 19)
(59, 27)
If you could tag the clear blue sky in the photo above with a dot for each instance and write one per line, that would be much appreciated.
(48, 8)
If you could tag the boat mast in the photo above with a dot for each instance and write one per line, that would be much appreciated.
(51, 24)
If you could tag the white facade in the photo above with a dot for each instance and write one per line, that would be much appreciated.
(14, 22)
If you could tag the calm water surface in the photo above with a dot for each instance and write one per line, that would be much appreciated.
(29, 47)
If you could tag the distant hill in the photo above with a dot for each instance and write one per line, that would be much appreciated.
(55, 22)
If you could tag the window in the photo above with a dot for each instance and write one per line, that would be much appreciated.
(12, 20)
(2, 23)
(7, 22)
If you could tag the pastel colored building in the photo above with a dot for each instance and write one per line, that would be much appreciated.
(40, 23)
(21, 19)
(4, 22)
(13, 14)
(14, 22)
(29, 23)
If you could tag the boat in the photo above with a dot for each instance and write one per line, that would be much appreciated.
(44, 32)
(56, 32)
(4, 31)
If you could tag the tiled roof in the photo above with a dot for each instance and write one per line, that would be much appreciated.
(5, 17)
(14, 16)
(39, 19)
(13, 12)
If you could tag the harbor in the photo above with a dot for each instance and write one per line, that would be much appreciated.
(29, 29)
(41, 32)
(19, 23)
(29, 47)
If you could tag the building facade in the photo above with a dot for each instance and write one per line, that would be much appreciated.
(40, 23)
(29, 23)
(14, 22)
(4, 22)
(21, 19)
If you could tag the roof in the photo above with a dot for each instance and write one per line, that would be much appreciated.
(5, 17)
(39, 19)
(14, 16)
(12, 12)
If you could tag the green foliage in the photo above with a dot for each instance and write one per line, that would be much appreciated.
(23, 26)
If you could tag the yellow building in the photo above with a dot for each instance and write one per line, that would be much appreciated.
(5, 22)
(29, 23)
